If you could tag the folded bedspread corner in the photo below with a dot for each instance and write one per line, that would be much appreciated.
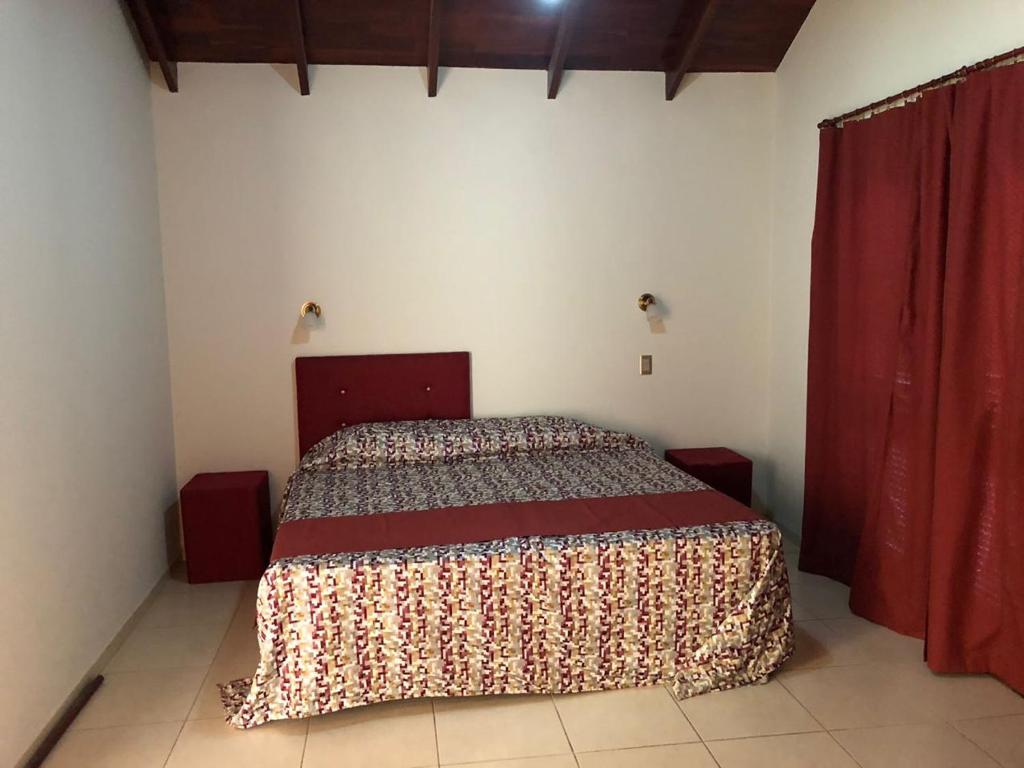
(751, 643)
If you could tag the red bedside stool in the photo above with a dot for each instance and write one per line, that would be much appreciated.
(724, 470)
(225, 517)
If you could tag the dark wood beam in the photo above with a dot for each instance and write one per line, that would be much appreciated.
(153, 42)
(674, 76)
(433, 47)
(299, 38)
(556, 66)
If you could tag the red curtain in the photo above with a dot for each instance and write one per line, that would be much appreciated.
(976, 595)
(876, 293)
(914, 383)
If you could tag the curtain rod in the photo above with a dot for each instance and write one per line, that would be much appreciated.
(959, 74)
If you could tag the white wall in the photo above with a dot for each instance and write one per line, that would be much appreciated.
(849, 53)
(86, 448)
(488, 219)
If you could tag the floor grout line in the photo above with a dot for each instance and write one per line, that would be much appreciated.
(702, 742)
(659, 745)
(85, 729)
(202, 683)
(821, 724)
(847, 752)
(437, 740)
(173, 744)
(565, 732)
(969, 740)
(665, 745)
(710, 753)
(508, 760)
(766, 736)
(305, 741)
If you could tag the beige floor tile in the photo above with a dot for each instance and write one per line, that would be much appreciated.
(958, 697)
(167, 647)
(135, 698)
(178, 579)
(497, 728)
(246, 613)
(393, 735)
(631, 717)
(215, 744)
(181, 584)
(805, 750)
(911, 746)
(869, 695)
(237, 657)
(858, 696)
(753, 710)
(1001, 737)
(851, 640)
(820, 598)
(240, 648)
(189, 605)
(207, 704)
(133, 746)
(673, 756)
(552, 761)
(245, 619)
(815, 646)
(800, 613)
(859, 641)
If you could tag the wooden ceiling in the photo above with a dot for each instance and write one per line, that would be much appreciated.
(670, 36)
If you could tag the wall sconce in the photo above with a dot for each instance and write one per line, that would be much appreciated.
(649, 305)
(309, 316)
(310, 319)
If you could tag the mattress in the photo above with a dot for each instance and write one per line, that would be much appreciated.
(499, 556)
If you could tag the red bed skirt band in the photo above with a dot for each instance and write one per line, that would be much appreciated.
(494, 522)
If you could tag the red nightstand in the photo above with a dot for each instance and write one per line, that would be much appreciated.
(724, 470)
(225, 517)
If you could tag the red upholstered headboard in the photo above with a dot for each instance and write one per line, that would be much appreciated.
(334, 392)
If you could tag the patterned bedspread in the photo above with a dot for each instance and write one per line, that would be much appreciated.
(703, 607)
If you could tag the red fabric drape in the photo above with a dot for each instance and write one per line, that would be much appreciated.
(976, 599)
(876, 292)
(915, 386)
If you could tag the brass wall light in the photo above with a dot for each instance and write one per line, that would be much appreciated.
(654, 311)
(310, 319)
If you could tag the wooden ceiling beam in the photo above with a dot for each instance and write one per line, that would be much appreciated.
(556, 65)
(299, 41)
(674, 75)
(618, 35)
(433, 47)
(153, 42)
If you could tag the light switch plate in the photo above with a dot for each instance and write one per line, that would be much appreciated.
(646, 365)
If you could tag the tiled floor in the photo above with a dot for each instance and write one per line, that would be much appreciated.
(855, 694)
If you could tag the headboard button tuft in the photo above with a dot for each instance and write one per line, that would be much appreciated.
(344, 391)
(427, 387)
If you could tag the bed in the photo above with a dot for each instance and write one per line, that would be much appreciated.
(421, 553)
